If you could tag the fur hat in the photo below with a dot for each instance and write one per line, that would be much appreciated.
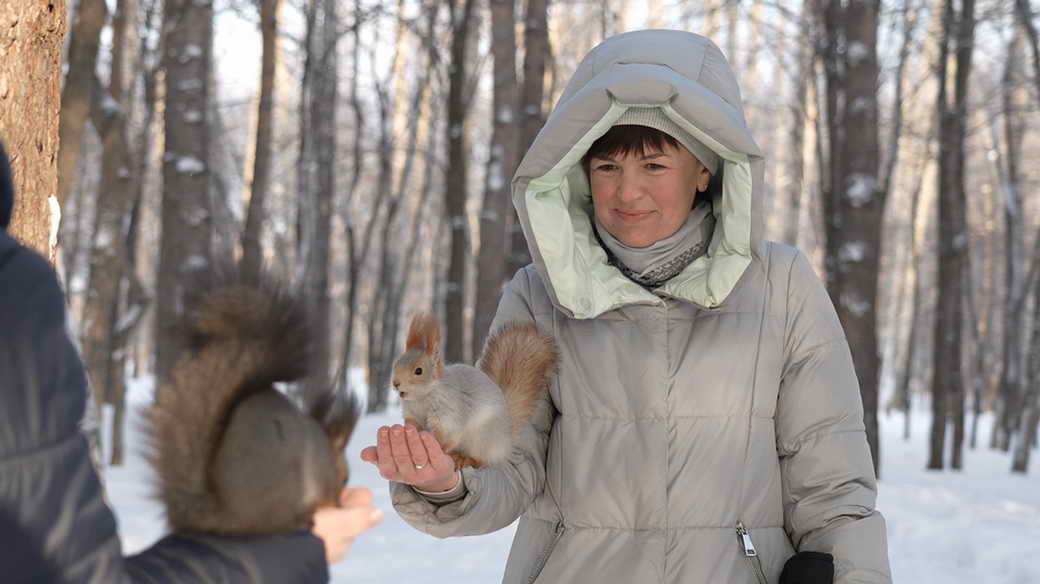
(6, 190)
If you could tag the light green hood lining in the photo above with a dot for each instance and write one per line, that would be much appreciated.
(559, 210)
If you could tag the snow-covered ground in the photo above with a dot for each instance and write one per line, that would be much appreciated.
(979, 526)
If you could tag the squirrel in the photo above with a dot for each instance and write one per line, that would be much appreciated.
(476, 413)
(232, 454)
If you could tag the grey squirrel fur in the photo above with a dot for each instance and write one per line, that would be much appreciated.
(476, 413)
(233, 455)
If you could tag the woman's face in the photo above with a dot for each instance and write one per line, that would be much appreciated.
(642, 198)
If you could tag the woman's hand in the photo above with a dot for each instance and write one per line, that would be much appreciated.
(338, 527)
(406, 455)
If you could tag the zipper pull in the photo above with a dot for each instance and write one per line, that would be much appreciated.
(745, 538)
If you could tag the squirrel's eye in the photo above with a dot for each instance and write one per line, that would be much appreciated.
(418, 370)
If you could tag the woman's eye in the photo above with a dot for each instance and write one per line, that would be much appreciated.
(606, 167)
(654, 166)
(418, 370)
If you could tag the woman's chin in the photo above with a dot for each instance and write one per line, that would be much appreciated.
(636, 238)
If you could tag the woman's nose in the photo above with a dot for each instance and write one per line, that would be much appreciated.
(629, 188)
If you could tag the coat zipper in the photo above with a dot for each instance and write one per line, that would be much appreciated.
(750, 553)
(548, 552)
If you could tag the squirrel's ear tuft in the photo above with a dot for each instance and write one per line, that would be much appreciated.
(424, 334)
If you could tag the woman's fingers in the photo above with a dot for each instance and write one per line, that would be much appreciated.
(401, 455)
(420, 458)
(440, 461)
(406, 455)
(387, 467)
(370, 454)
(339, 526)
(355, 497)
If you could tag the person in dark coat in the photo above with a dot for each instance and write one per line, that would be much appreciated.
(55, 525)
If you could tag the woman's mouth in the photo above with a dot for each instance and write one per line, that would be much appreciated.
(632, 216)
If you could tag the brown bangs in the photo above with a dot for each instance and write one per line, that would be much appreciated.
(628, 139)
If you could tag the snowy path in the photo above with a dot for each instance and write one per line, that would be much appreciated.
(981, 526)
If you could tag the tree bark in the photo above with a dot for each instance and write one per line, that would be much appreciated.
(493, 260)
(455, 184)
(947, 380)
(1011, 372)
(31, 36)
(84, 40)
(798, 117)
(853, 201)
(1030, 414)
(536, 55)
(252, 247)
(965, 51)
(187, 214)
(109, 264)
(915, 290)
(324, 97)
(380, 344)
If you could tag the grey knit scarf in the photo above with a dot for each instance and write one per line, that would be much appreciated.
(655, 264)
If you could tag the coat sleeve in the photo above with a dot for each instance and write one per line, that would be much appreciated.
(827, 473)
(297, 558)
(55, 525)
(495, 496)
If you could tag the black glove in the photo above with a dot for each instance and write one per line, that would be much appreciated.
(808, 568)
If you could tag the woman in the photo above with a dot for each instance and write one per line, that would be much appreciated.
(706, 422)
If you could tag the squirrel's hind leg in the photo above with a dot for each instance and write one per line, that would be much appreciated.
(462, 461)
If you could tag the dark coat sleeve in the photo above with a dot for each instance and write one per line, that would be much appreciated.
(55, 525)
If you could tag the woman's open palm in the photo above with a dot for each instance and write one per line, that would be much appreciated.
(406, 455)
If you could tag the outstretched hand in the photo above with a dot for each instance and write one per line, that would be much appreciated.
(406, 455)
(338, 527)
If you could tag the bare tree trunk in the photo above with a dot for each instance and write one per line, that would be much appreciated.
(455, 184)
(1014, 240)
(978, 332)
(493, 260)
(31, 36)
(187, 214)
(252, 247)
(1030, 414)
(914, 289)
(397, 264)
(965, 50)
(947, 381)
(357, 251)
(304, 159)
(536, 55)
(150, 55)
(380, 349)
(796, 168)
(853, 201)
(732, 9)
(84, 40)
(324, 97)
(108, 255)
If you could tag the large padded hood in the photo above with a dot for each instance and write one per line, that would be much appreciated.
(688, 78)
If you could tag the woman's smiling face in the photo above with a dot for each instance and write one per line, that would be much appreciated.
(642, 197)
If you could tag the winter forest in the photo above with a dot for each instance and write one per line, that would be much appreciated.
(363, 150)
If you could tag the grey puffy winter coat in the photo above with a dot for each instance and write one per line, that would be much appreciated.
(721, 405)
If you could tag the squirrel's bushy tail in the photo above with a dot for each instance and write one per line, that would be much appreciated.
(239, 338)
(522, 361)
